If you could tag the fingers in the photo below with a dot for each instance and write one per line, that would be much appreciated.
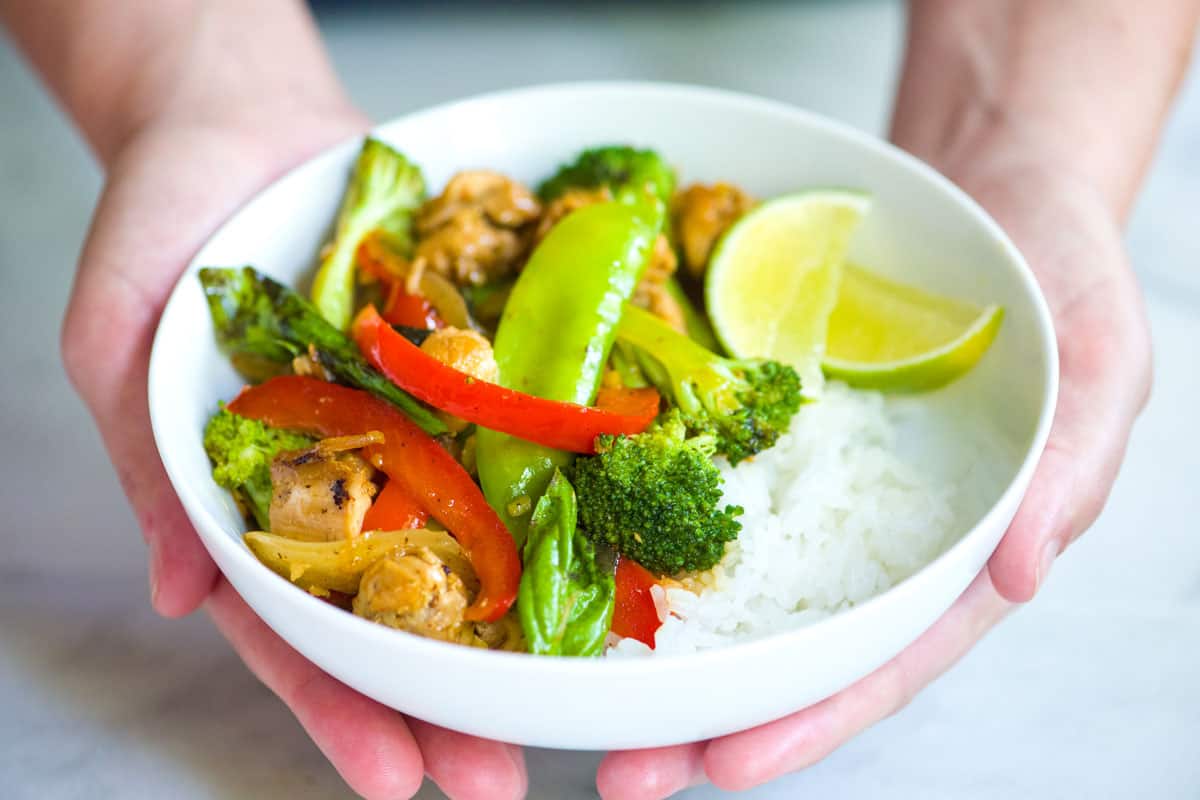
(372, 747)
(181, 572)
(469, 768)
(743, 760)
(165, 194)
(368, 744)
(753, 757)
(650, 774)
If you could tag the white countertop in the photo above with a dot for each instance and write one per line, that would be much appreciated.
(1092, 691)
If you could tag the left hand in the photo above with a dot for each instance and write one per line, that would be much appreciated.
(1073, 243)
(166, 191)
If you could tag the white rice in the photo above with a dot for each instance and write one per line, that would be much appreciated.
(842, 508)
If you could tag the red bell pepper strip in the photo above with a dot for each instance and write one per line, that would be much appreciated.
(627, 402)
(635, 614)
(430, 474)
(400, 307)
(562, 426)
(395, 509)
(410, 310)
(373, 261)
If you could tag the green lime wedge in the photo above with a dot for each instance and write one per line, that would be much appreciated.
(773, 280)
(896, 338)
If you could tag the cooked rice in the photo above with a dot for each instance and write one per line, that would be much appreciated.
(846, 505)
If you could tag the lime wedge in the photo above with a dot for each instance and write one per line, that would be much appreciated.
(896, 338)
(773, 280)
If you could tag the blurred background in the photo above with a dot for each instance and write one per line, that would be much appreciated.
(1090, 692)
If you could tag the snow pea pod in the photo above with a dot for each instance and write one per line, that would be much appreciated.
(555, 336)
(565, 601)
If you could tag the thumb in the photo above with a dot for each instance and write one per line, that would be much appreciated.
(167, 191)
(106, 341)
(1105, 360)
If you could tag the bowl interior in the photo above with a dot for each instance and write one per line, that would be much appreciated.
(920, 230)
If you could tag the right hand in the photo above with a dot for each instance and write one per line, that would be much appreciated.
(167, 189)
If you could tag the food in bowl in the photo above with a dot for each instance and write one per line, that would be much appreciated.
(586, 419)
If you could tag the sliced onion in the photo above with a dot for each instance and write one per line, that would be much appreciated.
(659, 595)
(446, 300)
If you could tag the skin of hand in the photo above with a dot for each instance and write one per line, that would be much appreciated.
(1001, 98)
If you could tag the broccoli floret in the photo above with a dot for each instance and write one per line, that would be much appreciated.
(384, 192)
(744, 404)
(628, 172)
(241, 451)
(655, 497)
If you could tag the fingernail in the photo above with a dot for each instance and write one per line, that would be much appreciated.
(1049, 553)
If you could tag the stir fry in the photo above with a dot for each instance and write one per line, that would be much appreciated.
(497, 418)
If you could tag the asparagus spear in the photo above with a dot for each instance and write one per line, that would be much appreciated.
(259, 317)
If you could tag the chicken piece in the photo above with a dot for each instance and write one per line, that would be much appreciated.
(502, 200)
(651, 292)
(701, 213)
(469, 250)
(414, 591)
(474, 231)
(503, 634)
(322, 494)
(466, 351)
(571, 200)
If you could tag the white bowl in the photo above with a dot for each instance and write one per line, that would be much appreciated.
(921, 229)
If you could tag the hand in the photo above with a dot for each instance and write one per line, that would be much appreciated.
(167, 190)
(1073, 244)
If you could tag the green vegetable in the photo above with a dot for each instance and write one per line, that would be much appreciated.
(554, 339)
(565, 601)
(258, 317)
(655, 497)
(697, 324)
(241, 451)
(486, 303)
(384, 192)
(628, 172)
(627, 360)
(745, 404)
(624, 360)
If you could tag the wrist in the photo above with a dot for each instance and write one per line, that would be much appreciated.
(124, 69)
(276, 123)
(1025, 162)
(260, 75)
(1079, 87)
(976, 133)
